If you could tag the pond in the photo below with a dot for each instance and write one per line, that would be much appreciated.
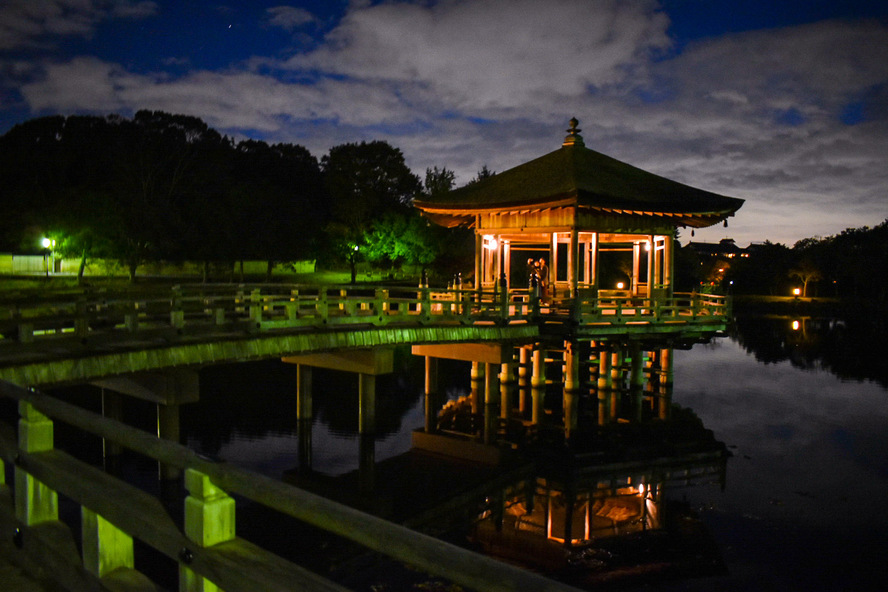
(800, 403)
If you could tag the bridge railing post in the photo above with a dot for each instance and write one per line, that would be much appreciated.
(256, 306)
(322, 306)
(131, 316)
(425, 306)
(293, 305)
(105, 547)
(209, 520)
(81, 320)
(34, 501)
(177, 311)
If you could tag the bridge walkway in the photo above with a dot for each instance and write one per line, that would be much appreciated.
(77, 339)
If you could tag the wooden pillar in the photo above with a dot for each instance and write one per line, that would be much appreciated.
(636, 268)
(367, 431)
(209, 520)
(665, 384)
(573, 262)
(479, 251)
(668, 263)
(538, 373)
(490, 417)
(667, 368)
(570, 500)
(652, 280)
(605, 380)
(538, 384)
(304, 417)
(477, 381)
(431, 393)
(507, 388)
(593, 260)
(571, 387)
(507, 263)
(523, 378)
(34, 501)
(616, 369)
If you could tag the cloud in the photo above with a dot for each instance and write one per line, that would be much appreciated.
(288, 17)
(491, 54)
(33, 23)
(760, 115)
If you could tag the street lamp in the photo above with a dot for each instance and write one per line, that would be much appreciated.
(48, 244)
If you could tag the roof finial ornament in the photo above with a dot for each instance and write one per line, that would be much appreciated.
(573, 134)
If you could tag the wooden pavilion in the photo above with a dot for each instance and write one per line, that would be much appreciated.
(605, 227)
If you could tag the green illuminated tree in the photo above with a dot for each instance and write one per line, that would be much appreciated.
(364, 182)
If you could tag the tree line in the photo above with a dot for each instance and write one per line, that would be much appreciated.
(165, 187)
(852, 264)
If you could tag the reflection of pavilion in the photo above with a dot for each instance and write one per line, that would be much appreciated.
(564, 515)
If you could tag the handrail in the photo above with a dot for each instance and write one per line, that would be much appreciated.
(202, 308)
(418, 550)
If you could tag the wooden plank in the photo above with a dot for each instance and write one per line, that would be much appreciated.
(234, 566)
(423, 552)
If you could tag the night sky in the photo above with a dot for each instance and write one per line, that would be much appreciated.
(784, 104)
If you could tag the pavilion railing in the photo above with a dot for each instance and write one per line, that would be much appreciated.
(680, 308)
(204, 545)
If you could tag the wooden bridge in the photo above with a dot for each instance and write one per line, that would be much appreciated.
(82, 337)
(91, 337)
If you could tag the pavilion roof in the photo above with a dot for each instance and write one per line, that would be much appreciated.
(574, 175)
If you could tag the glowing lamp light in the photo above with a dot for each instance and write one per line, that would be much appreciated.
(796, 291)
(620, 285)
(795, 325)
(490, 242)
(47, 242)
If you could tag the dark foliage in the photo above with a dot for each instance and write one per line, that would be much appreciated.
(156, 187)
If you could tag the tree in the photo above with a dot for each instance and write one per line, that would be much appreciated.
(806, 271)
(438, 182)
(484, 173)
(364, 181)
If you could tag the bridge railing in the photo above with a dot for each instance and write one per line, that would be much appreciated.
(203, 545)
(255, 308)
(208, 307)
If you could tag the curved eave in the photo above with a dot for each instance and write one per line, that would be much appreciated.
(451, 216)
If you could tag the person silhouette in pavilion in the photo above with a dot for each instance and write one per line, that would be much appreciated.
(543, 275)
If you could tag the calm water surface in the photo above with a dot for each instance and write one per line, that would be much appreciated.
(803, 409)
(805, 502)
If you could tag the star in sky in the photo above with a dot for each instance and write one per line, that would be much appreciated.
(784, 104)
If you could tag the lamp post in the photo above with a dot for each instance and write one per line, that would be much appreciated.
(48, 255)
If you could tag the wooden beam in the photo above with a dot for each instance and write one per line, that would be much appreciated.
(374, 361)
(489, 353)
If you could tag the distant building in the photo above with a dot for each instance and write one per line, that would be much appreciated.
(726, 248)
